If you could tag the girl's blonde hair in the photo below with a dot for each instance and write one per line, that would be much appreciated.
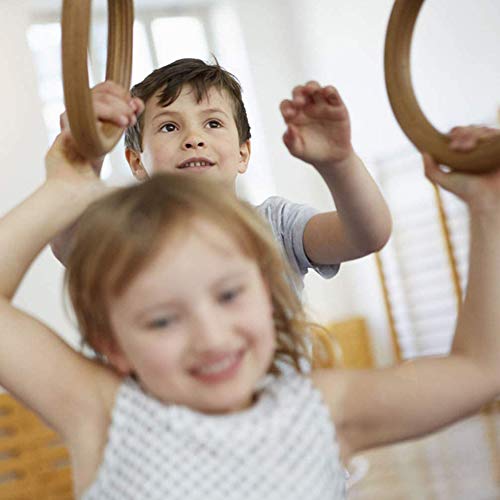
(119, 234)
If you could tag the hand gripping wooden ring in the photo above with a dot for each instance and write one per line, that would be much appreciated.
(92, 142)
(404, 103)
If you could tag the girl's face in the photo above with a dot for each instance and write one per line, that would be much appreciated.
(196, 325)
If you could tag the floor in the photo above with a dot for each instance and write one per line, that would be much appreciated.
(460, 463)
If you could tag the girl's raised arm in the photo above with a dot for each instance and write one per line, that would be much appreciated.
(36, 366)
(376, 407)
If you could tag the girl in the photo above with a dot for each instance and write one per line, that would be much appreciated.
(181, 291)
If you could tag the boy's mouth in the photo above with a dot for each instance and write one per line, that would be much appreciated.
(196, 163)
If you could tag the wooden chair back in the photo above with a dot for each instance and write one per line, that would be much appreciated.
(34, 464)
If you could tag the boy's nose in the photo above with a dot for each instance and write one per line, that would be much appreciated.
(194, 143)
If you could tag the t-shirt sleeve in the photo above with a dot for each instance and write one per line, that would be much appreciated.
(288, 221)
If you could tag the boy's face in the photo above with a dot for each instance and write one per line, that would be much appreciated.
(192, 138)
(196, 325)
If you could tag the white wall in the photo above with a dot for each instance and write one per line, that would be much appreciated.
(23, 143)
(457, 78)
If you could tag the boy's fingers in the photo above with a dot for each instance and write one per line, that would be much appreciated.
(287, 109)
(290, 138)
(332, 95)
(299, 95)
(304, 94)
(313, 90)
(313, 85)
(318, 97)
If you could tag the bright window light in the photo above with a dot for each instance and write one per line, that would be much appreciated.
(178, 37)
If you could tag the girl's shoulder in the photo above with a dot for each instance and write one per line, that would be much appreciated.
(88, 442)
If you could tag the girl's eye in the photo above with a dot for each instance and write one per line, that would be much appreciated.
(168, 127)
(160, 323)
(214, 124)
(230, 295)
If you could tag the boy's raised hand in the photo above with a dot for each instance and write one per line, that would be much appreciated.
(318, 126)
(113, 104)
(481, 191)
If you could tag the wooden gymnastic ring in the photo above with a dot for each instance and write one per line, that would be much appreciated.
(92, 142)
(404, 103)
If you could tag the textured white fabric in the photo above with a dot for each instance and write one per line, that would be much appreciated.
(282, 448)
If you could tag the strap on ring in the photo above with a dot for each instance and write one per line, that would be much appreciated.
(92, 142)
(404, 102)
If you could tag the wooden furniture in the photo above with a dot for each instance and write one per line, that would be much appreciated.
(34, 465)
(349, 343)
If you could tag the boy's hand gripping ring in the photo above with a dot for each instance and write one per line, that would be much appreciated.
(486, 156)
(91, 142)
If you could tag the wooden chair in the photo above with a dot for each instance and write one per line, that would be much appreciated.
(347, 342)
(34, 464)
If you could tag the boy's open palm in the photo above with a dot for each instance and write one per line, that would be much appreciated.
(318, 126)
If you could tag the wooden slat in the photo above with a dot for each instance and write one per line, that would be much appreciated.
(34, 464)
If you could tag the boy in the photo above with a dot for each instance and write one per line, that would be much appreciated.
(193, 121)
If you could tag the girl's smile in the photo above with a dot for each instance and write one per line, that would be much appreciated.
(221, 368)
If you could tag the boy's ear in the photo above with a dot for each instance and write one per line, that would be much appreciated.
(245, 150)
(115, 356)
(135, 162)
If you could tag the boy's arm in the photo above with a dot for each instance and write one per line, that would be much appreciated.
(318, 132)
(373, 408)
(113, 104)
(361, 223)
(36, 366)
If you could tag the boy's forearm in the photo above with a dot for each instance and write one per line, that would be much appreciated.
(30, 226)
(361, 208)
(478, 328)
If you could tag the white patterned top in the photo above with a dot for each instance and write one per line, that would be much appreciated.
(283, 447)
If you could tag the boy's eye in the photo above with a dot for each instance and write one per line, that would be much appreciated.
(214, 124)
(168, 127)
(230, 295)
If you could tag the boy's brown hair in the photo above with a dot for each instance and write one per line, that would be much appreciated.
(118, 235)
(169, 80)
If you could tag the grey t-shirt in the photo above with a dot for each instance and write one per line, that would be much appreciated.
(287, 221)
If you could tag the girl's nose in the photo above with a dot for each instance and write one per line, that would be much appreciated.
(210, 330)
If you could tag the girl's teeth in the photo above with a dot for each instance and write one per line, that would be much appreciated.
(217, 367)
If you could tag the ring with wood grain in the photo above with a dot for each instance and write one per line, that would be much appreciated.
(93, 141)
(486, 156)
